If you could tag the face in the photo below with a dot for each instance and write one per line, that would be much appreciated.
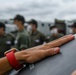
(1, 31)
(29, 28)
(54, 31)
(33, 26)
(18, 24)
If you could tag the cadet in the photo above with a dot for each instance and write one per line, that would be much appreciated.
(54, 33)
(22, 40)
(37, 37)
(6, 40)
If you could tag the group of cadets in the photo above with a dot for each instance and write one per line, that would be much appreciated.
(24, 39)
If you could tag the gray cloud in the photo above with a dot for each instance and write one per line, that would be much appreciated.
(48, 10)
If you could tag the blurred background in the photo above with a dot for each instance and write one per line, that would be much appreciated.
(54, 18)
(46, 12)
(45, 21)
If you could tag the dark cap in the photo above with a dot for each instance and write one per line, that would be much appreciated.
(54, 26)
(32, 21)
(20, 18)
(72, 26)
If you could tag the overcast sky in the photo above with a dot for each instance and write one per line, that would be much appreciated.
(44, 10)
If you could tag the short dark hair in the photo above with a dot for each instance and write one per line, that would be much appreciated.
(2, 25)
(34, 22)
(20, 18)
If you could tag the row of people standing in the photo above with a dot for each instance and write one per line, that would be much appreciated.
(39, 38)
(35, 36)
(23, 39)
(20, 41)
(26, 39)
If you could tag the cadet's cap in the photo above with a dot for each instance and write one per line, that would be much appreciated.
(33, 21)
(20, 18)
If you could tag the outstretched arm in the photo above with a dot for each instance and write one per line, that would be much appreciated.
(4, 66)
(28, 56)
(35, 54)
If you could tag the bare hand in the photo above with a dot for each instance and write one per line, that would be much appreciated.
(55, 43)
(37, 53)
